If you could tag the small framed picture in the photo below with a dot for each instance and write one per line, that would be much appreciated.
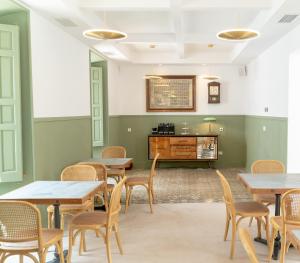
(214, 92)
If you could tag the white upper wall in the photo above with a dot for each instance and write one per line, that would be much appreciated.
(268, 78)
(132, 89)
(60, 71)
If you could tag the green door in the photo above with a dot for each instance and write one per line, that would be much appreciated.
(10, 105)
(97, 106)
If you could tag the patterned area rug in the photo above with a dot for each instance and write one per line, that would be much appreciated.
(188, 186)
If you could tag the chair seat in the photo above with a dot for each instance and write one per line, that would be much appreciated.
(251, 209)
(115, 172)
(264, 198)
(49, 237)
(276, 221)
(137, 181)
(90, 219)
(68, 208)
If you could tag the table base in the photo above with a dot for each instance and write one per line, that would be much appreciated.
(56, 258)
(261, 240)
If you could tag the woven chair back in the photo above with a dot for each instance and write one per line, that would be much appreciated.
(115, 199)
(153, 166)
(100, 169)
(267, 166)
(79, 172)
(19, 222)
(114, 152)
(290, 207)
(227, 195)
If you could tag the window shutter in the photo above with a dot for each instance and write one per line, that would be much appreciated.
(10, 105)
(97, 106)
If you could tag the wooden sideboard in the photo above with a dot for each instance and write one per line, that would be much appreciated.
(183, 147)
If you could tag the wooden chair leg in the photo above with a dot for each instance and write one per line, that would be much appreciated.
(107, 243)
(232, 250)
(59, 248)
(21, 259)
(258, 227)
(227, 225)
(267, 231)
(272, 241)
(81, 249)
(130, 192)
(84, 241)
(62, 221)
(283, 247)
(117, 234)
(127, 197)
(152, 193)
(69, 257)
(150, 199)
(50, 215)
(105, 197)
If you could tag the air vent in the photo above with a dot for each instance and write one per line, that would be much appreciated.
(66, 22)
(287, 18)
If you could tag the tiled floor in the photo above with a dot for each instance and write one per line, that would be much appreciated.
(188, 186)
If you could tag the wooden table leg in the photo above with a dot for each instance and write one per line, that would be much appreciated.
(277, 243)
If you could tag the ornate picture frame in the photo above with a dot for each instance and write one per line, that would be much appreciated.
(171, 93)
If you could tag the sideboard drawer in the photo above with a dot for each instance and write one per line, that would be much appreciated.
(183, 140)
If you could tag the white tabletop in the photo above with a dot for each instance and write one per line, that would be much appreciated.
(51, 192)
(270, 183)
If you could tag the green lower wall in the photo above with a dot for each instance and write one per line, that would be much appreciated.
(60, 142)
(271, 144)
(231, 140)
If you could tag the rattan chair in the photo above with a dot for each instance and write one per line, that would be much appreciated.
(115, 152)
(74, 173)
(21, 233)
(102, 176)
(97, 220)
(147, 182)
(246, 239)
(289, 220)
(266, 166)
(241, 210)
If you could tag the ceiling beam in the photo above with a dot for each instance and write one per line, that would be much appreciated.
(125, 5)
(205, 4)
(134, 5)
(177, 18)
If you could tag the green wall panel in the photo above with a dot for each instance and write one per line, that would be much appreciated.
(269, 144)
(231, 141)
(60, 142)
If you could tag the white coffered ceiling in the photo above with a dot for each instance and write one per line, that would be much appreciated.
(180, 30)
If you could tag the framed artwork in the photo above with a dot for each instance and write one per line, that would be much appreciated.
(171, 93)
(214, 92)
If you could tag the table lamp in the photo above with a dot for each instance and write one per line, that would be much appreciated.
(209, 120)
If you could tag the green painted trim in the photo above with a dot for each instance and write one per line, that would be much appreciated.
(266, 117)
(51, 119)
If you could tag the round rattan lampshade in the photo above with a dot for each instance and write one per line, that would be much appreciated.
(238, 34)
(104, 34)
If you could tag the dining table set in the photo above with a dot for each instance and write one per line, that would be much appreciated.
(57, 193)
(276, 184)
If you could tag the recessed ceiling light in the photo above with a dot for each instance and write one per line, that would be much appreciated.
(210, 45)
(152, 46)
(238, 34)
(210, 77)
(104, 34)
